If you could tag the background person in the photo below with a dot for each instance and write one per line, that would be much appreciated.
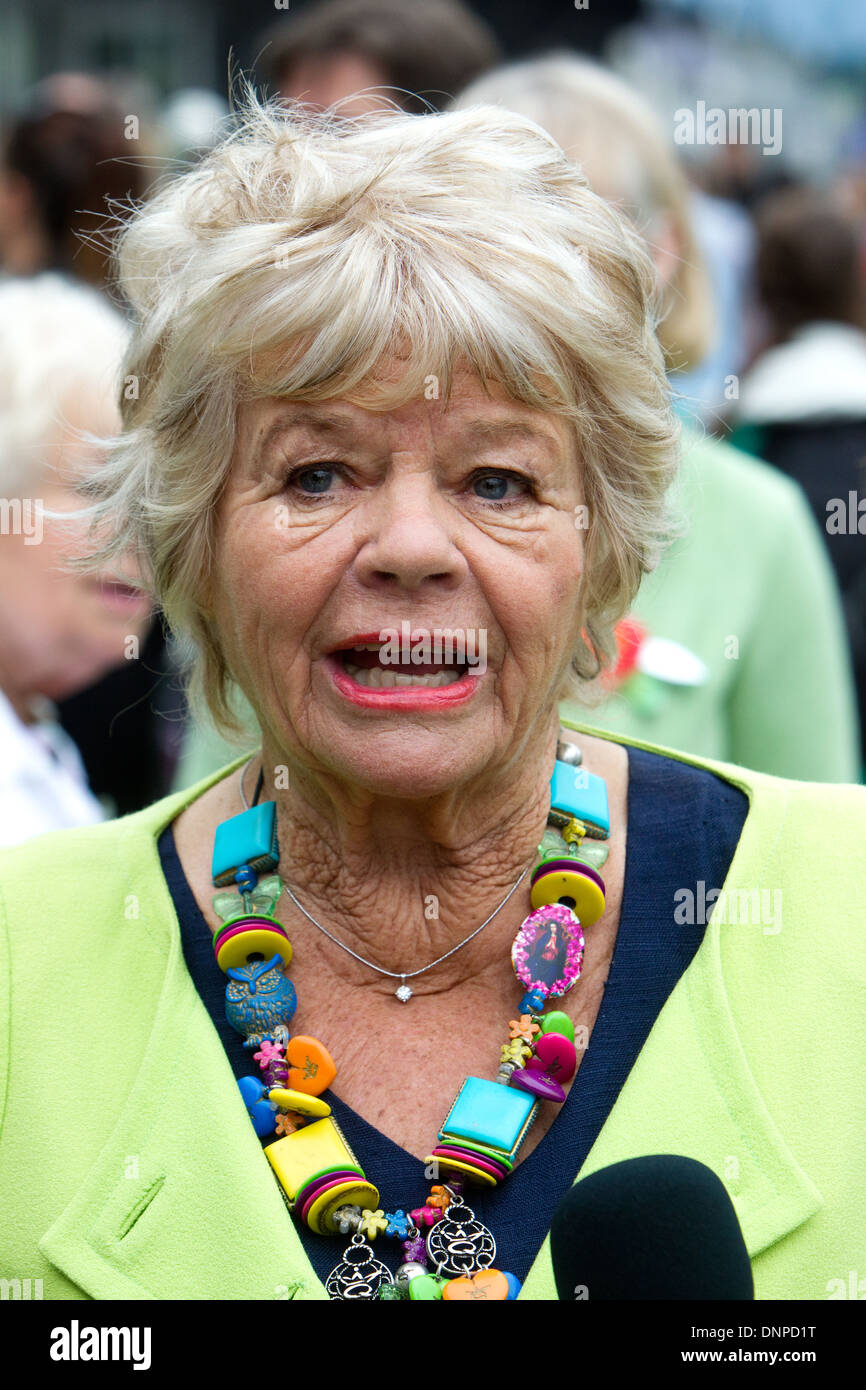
(64, 158)
(747, 588)
(66, 165)
(802, 404)
(342, 51)
(61, 349)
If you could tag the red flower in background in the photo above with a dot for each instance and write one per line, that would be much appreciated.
(630, 636)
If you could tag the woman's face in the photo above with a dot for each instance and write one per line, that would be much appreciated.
(62, 629)
(452, 522)
(551, 950)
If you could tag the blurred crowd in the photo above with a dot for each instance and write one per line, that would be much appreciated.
(748, 644)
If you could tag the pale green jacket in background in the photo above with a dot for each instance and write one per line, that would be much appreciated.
(750, 590)
(128, 1165)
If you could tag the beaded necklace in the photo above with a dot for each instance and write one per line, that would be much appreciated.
(320, 1177)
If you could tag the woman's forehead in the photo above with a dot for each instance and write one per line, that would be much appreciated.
(477, 415)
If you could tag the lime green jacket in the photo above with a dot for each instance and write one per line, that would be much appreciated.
(128, 1165)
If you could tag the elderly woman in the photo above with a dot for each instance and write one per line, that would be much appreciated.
(61, 348)
(712, 651)
(383, 371)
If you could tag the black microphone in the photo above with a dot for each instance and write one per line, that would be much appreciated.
(660, 1227)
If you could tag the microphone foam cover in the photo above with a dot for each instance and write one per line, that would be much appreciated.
(659, 1227)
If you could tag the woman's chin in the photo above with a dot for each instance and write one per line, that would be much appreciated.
(404, 764)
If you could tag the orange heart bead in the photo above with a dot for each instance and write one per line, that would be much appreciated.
(489, 1284)
(311, 1066)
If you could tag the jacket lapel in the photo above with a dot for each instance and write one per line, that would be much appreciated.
(691, 1091)
(181, 1202)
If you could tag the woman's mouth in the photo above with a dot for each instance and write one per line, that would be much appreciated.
(361, 676)
(121, 598)
(363, 664)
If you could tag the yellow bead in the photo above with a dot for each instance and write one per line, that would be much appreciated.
(555, 884)
(300, 1102)
(475, 1174)
(515, 1052)
(257, 941)
(350, 1194)
(574, 832)
(310, 1150)
(372, 1222)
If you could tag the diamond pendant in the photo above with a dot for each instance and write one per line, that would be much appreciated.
(404, 993)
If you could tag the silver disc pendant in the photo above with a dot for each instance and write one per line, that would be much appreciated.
(458, 1243)
(359, 1275)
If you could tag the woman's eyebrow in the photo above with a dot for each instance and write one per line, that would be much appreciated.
(503, 431)
(339, 425)
(311, 421)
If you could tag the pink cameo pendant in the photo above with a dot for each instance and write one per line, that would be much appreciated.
(547, 953)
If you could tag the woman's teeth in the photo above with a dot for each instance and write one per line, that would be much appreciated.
(386, 678)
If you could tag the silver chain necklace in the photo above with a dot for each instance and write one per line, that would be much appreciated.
(403, 992)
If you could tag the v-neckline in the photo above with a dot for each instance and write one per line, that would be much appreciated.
(341, 1107)
(569, 1122)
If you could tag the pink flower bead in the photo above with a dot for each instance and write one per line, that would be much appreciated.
(425, 1216)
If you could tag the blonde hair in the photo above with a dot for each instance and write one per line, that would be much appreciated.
(305, 251)
(615, 137)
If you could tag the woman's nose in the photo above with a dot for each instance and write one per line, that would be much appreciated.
(409, 540)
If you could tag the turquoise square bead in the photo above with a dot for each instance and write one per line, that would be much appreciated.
(581, 794)
(488, 1113)
(250, 838)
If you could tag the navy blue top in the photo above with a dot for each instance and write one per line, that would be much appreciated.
(683, 827)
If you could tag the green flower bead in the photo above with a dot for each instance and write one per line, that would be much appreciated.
(552, 845)
(390, 1292)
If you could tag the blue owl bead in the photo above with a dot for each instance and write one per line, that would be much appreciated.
(259, 999)
(264, 1119)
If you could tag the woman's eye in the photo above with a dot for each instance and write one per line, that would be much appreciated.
(500, 487)
(313, 482)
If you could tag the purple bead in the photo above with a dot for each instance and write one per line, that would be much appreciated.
(415, 1249)
(569, 866)
(538, 1084)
